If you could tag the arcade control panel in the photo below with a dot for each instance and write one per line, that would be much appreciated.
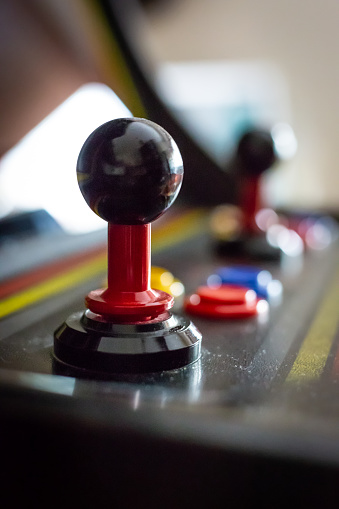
(222, 381)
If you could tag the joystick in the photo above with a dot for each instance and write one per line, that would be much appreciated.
(130, 172)
(255, 155)
(235, 227)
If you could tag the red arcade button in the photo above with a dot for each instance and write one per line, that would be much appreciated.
(227, 294)
(226, 301)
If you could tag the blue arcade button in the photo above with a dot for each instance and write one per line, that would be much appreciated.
(257, 279)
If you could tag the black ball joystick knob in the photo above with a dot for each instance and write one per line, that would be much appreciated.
(129, 171)
(256, 152)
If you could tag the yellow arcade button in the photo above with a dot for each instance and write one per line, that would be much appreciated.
(226, 223)
(163, 279)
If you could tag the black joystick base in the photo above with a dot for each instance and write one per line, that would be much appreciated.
(87, 343)
(248, 247)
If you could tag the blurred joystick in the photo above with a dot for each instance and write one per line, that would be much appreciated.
(255, 155)
(235, 227)
(130, 172)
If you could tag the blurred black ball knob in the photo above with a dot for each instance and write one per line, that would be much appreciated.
(256, 152)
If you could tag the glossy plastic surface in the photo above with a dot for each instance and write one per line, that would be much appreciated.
(249, 276)
(97, 347)
(226, 294)
(129, 171)
(128, 295)
(224, 302)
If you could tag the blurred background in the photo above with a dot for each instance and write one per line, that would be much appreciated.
(218, 65)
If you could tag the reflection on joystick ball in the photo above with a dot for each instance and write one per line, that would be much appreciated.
(132, 178)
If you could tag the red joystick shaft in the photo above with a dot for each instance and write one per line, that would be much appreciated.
(250, 202)
(129, 257)
(128, 296)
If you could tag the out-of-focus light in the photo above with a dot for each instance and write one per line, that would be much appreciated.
(177, 289)
(250, 296)
(136, 400)
(318, 237)
(274, 233)
(194, 299)
(39, 172)
(275, 288)
(263, 278)
(263, 310)
(285, 141)
(275, 291)
(321, 234)
(265, 218)
(166, 278)
(292, 244)
(226, 222)
(262, 306)
(214, 281)
(287, 240)
(47, 383)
